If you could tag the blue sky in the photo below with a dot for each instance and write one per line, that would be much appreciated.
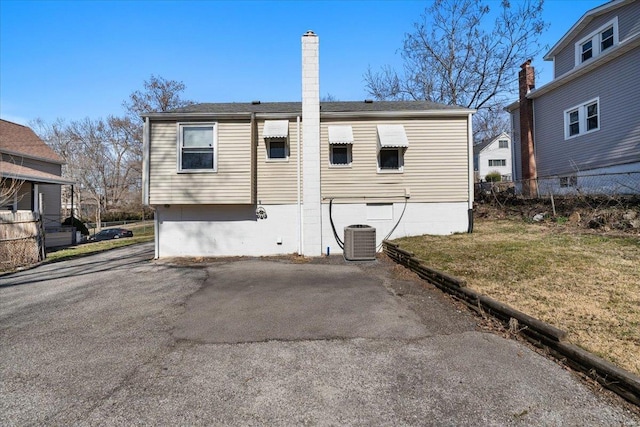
(76, 59)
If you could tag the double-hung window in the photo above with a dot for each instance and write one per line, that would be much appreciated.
(597, 42)
(503, 143)
(582, 119)
(197, 147)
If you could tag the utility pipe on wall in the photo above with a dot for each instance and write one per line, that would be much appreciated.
(470, 162)
(299, 213)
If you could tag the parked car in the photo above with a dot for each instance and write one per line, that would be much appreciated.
(111, 233)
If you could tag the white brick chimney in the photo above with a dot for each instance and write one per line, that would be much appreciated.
(312, 207)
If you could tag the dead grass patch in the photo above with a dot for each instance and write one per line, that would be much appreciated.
(586, 284)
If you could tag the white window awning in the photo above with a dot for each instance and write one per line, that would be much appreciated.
(392, 136)
(275, 129)
(340, 134)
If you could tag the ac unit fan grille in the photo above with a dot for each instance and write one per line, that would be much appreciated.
(359, 243)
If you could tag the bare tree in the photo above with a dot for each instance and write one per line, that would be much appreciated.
(105, 155)
(456, 56)
(159, 94)
(9, 189)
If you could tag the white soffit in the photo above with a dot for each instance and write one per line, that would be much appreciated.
(392, 136)
(275, 129)
(340, 134)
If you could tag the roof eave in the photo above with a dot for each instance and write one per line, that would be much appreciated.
(32, 157)
(458, 112)
(581, 23)
(617, 51)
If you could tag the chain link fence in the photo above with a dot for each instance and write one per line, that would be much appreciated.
(610, 185)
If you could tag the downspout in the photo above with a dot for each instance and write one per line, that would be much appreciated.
(470, 164)
(254, 160)
(299, 211)
(146, 142)
(145, 162)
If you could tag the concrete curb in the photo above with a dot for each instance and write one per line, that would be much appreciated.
(540, 333)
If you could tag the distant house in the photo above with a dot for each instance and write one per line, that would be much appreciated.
(493, 155)
(32, 171)
(287, 177)
(585, 123)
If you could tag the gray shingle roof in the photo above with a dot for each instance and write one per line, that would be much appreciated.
(296, 107)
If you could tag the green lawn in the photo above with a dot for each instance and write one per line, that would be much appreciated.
(141, 233)
(585, 283)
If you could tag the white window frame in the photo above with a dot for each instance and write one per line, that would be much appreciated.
(582, 118)
(503, 163)
(400, 168)
(349, 156)
(267, 144)
(214, 145)
(596, 42)
(505, 141)
(570, 181)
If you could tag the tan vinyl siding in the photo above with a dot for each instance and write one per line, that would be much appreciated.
(277, 179)
(435, 164)
(231, 184)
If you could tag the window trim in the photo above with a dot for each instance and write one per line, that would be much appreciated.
(500, 141)
(497, 160)
(582, 118)
(595, 38)
(400, 168)
(569, 181)
(349, 148)
(180, 141)
(267, 144)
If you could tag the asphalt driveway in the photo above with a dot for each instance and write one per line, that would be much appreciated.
(118, 339)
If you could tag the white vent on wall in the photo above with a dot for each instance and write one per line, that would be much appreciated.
(359, 243)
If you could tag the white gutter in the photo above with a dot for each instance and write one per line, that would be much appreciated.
(145, 162)
(323, 114)
(299, 212)
(470, 159)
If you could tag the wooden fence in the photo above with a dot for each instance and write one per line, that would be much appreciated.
(539, 333)
(21, 239)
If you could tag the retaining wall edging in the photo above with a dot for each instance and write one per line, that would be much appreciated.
(540, 333)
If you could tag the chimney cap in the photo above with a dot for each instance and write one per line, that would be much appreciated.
(309, 33)
(256, 102)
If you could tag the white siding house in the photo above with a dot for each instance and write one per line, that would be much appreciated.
(260, 178)
(494, 155)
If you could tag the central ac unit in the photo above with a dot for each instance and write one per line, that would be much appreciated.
(359, 243)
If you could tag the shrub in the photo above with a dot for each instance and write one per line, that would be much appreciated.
(493, 177)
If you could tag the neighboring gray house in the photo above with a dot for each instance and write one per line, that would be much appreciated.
(586, 121)
(493, 155)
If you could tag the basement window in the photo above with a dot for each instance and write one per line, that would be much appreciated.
(569, 181)
(197, 147)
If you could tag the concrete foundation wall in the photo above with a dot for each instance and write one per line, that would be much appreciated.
(217, 230)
